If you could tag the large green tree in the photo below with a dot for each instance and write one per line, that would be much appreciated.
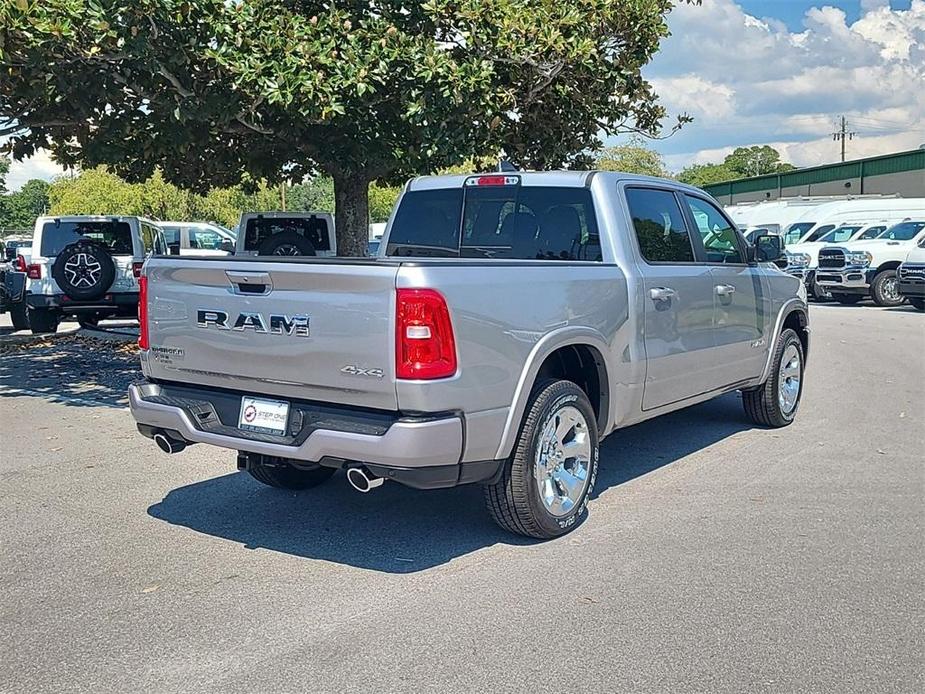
(19, 210)
(214, 91)
(632, 157)
(742, 162)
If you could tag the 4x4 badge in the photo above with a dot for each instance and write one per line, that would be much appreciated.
(352, 370)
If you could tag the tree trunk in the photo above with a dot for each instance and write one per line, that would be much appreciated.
(351, 216)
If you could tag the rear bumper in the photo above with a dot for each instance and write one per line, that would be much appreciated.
(123, 303)
(421, 452)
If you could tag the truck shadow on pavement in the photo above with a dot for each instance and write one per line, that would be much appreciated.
(71, 369)
(400, 530)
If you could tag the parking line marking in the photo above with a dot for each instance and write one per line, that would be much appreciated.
(59, 398)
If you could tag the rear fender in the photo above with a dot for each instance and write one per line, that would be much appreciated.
(548, 344)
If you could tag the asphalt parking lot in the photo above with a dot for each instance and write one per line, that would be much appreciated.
(715, 557)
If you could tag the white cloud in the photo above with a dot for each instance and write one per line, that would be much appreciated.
(753, 81)
(39, 165)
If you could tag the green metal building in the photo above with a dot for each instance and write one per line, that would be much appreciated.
(901, 174)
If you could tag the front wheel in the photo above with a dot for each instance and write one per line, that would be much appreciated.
(545, 485)
(885, 289)
(775, 402)
(41, 320)
(281, 475)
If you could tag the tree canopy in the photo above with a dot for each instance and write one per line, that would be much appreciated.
(632, 157)
(743, 162)
(213, 92)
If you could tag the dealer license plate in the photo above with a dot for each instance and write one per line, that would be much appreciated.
(264, 416)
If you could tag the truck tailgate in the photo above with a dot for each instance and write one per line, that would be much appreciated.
(311, 330)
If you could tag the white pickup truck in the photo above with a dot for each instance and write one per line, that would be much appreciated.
(855, 270)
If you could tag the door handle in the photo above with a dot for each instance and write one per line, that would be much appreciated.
(662, 293)
(725, 290)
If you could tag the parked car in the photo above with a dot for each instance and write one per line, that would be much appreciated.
(859, 269)
(513, 321)
(912, 276)
(87, 266)
(13, 246)
(286, 233)
(197, 238)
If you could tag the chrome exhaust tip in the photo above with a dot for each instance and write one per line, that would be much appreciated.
(362, 480)
(168, 444)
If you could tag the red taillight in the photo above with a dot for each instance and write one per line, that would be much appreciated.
(136, 269)
(142, 312)
(20, 264)
(424, 344)
(34, 272)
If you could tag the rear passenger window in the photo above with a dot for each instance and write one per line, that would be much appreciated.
(659, 226)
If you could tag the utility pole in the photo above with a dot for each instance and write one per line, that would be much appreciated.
(843, 135)
(282, 194)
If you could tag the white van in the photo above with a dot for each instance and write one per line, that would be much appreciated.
(815, 222)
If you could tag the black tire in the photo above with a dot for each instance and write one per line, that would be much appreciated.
(84, 270)
(286, 243)
(514, 501)
(847, 299)
(41, 320)
(885, 289)
(918, 302)
(762, 404)
(88, 321)
(19, 316)
(283, 476)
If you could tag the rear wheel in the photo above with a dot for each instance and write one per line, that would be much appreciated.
(545, 485)
(41, 320)
(284, 476)
(775, 402)
(885, 289)
(918, 302)
(19, 316)
(847, 299)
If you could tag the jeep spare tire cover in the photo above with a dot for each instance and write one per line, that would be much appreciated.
(286, 243)
(84, 270)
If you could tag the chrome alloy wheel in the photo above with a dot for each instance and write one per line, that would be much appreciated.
(890, 290)
(287, 249)
(563, 458)
(83, 270)
(789, 379)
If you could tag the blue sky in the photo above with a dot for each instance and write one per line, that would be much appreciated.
(791, 12)
(782, 72)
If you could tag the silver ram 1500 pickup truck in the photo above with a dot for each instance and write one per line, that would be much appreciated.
(510, 322)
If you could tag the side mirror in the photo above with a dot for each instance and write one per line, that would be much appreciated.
(768, 248)
(227, 246)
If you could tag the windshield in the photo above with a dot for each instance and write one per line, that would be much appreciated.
(840, 234)
(497, 221)
(820, 232)
(906, 231)
(114, 235)
(795, 231)
(871, 232)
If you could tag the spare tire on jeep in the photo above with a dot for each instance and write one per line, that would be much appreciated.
(286, 243)
(84, 270)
